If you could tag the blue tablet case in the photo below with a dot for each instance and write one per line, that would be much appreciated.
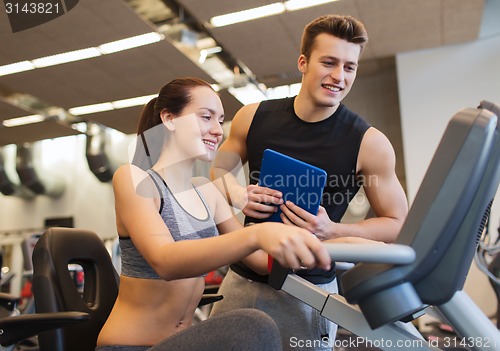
(299, 182)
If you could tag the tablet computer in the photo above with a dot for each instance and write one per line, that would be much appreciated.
(298, 181)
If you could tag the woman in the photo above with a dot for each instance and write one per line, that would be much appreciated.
(168, 223)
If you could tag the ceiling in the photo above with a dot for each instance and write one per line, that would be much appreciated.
(266, 48)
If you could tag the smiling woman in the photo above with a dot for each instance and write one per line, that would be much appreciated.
(168, 224)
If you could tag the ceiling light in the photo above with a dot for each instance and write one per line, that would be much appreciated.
(283, 91)
(84, 110)
(82, 54)
(278, 92)
(65, 57)
(295, 88)
(263, 11)
(80, 127)
(130, 43)
(247, 15)
(16, 68)
(19, 121)
(210, 51)
(114, 105)
(293, 5)
(203, 56)
(136, 101)
(248, 94)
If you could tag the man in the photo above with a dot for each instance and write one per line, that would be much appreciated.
(316, 128)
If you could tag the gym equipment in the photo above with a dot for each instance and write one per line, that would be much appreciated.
(425, 269)
(36, 181)
(60, 302)
(55, 291)
(100, 164)
(494, 267)
(487, 259)
(16, 328)
(58, 307)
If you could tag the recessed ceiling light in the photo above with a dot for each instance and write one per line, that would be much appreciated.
(130, 43)
(66, 57)
(19, 121)
(16, 68)
(247, 15)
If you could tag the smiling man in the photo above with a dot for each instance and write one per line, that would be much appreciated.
(314, 127)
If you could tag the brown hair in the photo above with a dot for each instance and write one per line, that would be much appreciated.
(174, 97)
(343, 27)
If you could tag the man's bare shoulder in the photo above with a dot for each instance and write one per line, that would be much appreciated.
(239, 129)
(375, 141)
(245, 115)
(376, 152)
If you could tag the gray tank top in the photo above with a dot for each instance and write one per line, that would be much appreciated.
(181, 224)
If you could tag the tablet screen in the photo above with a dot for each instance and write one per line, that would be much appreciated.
(299, 182)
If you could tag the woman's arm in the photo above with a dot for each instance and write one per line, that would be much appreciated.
(137, 216)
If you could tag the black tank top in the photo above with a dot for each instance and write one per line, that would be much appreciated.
(332, 144)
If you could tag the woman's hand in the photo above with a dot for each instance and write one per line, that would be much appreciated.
(292, 247)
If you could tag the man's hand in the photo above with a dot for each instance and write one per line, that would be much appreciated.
(320, 224)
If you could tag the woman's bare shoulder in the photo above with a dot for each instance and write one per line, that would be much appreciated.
(129, 177)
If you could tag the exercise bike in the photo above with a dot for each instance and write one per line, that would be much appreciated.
(425, 269)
